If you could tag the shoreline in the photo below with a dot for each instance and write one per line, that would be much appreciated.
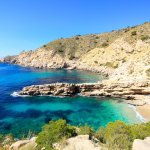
(144, 111)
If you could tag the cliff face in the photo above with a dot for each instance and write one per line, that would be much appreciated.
(120, 54)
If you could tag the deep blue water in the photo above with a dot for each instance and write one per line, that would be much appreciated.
(18, 115)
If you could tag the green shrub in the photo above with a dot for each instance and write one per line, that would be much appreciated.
(71, 57)
(148, 72)
(54, 132)
(133, 33)
(1, 138)
(105, 44)
(144, 37)
(111, 64)
(118, 136)
(140, 131)
(44, 45)
(100, 134)
(77, 38)
(61, 50)
(86, 130)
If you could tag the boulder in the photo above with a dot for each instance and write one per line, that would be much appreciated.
(24, 145)
(141, 144)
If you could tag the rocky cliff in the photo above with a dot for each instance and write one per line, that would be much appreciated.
(136, 93)
(122, 54)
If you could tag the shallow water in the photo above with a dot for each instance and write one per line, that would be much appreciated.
(18, 115)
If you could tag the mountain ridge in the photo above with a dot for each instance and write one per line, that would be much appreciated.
(118, 54)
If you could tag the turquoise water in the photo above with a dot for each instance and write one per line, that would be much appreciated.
(18, 115)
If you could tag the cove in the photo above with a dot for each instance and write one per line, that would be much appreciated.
(19, 115)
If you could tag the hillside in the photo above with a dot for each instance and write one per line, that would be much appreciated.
(119, 54)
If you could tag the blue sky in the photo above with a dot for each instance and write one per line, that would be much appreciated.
(28, 24)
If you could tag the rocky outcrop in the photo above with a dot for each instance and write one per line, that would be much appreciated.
(135, 93)
(80, 142)
(24, 145)
(58, 89)
(9, 59)
(141, 144)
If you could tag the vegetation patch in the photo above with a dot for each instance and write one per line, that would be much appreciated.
(148, 72)
(53, 132)
(144, 37)
(120, 136)
(113, 65)
(71, 57)
(86, 130)
(105, 44)
(133, 33)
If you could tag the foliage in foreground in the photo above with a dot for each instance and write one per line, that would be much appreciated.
(86, 130)
(117, 135)
(53, 132)
(120, 136)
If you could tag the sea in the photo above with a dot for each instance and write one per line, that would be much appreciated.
(22, 115)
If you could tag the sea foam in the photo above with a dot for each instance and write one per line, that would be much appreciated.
(15, 94)
(138, 115)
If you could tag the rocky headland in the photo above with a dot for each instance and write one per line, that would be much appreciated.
(135, 93)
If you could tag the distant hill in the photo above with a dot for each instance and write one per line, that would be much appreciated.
(123, 52)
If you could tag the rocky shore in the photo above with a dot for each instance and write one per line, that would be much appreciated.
(135, 93)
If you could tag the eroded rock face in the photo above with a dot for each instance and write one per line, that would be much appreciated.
(135, 93)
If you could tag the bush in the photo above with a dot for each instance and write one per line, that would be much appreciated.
(148, 72)
(100, 135)
(61, 50)
(118, 136)
(112, 64)
(77, 38)
(1, 138)
(96, 62)
(140, 131)
(105, 44)
(71, 57)
(133, 33)
(54, 132)
(144, 37)
(86, 130)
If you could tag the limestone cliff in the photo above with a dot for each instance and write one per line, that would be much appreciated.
(122, 54)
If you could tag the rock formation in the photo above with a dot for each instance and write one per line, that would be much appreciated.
(24, 145)
(135, 92)
(141, 144)
(81, 142)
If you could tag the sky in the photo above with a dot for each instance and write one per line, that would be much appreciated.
(29, 24)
